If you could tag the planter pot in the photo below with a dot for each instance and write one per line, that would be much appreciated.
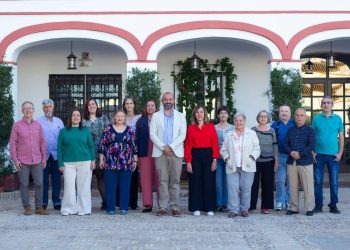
(11, 182)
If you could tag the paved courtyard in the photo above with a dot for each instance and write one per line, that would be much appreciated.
(147, 231)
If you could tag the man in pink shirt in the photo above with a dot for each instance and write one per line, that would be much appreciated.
(28, 152)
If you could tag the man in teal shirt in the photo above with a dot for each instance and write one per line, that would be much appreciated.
(328, 150)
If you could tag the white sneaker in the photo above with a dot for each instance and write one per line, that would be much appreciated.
(197, 213)
(210, 213)
(64, 214)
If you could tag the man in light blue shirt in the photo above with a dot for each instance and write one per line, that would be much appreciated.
(51, 127)
(329, 147)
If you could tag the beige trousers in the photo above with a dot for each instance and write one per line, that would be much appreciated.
(169, 172)
(77, 188)
(305, 173)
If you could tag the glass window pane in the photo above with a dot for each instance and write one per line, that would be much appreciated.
(338, 103)
(318, 89)
(316, 102)
(347, 89)
(306, 103)
(337, 89)
(340, 113)
(307, 89)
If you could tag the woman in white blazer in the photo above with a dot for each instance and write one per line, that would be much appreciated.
(239, 150)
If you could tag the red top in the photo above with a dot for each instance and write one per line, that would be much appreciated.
(27, 143)
(204, 137)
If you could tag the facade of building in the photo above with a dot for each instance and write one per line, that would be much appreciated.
(257, 36)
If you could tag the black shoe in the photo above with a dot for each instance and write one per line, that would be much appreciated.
(290, 212)
(317, 210)
(44, 206)
(334, 210)
(309, 213)
(103, 205)
(57, 207)
(147, 210)
(219, 209)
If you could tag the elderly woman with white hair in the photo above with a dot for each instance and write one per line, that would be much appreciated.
(240, 150)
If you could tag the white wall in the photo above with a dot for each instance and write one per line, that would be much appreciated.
(36, 63)
(250, 64)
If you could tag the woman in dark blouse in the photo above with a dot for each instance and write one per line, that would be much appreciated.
(201, 154)
(118, 158)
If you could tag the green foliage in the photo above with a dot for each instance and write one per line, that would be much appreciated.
(286, 88)
(190, 83)
(143, 86)
(6, 116)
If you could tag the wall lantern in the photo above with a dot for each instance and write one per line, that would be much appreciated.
(330, 60)
(195, 59)
(72, 59)
(309, 67)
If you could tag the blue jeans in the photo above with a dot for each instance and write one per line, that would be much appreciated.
(221, 184)
(333, 169)
(52, 169)
(122, 180)
(282, 190)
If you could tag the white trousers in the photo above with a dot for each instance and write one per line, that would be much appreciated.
(77, 188)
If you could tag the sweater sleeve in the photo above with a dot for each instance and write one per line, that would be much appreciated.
(60, 148)
(91, 145)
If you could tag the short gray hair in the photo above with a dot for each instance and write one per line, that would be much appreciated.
(240, 114)
(47, 101)
(267, 113)
(27, 102)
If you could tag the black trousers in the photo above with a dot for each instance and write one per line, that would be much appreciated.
(134, 189)
(265, 172)
(202, 188)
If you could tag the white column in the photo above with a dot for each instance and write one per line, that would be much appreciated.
(141, 66)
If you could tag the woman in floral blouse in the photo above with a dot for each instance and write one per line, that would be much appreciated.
(96, 123)
(118, 158)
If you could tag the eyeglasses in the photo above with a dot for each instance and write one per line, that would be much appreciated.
(325, 103)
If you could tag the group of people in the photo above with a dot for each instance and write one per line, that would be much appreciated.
(225, 162)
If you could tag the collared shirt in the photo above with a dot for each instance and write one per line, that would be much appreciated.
(51, 130)
(281, 131)
(27, 142)
(238, 149)
(204, 137)
(327, 130)
(302, 140)
(168, 128)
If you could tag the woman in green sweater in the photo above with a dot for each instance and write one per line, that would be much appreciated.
(76, 159)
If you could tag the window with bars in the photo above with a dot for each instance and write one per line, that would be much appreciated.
(69, 91)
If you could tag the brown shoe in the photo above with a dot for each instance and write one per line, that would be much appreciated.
(175, 212)
(161, 212)
(41, 211)
(244, 214)
(27, 211)
(232, 214)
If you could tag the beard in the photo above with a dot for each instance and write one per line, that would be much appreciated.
(168, 106)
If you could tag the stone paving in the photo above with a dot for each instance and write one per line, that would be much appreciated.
(147, 231)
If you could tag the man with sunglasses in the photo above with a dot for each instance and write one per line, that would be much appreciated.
(328, 150)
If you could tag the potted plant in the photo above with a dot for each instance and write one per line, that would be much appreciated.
(7, 169)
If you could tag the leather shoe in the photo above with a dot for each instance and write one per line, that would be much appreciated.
(57, 207)
(27, 211)
(290, 212)
(309, 213)
(147, 210)
(244, 214)
(334, 210)
(317, 210)
(161, 212)
(232, 214)
(41, 211)
(175, 212)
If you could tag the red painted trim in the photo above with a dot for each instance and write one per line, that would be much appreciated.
(142, 61)
(283, 60)
(212, 24)
(69, 26)
(177, 12)
(312, 30)
(8, 62)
